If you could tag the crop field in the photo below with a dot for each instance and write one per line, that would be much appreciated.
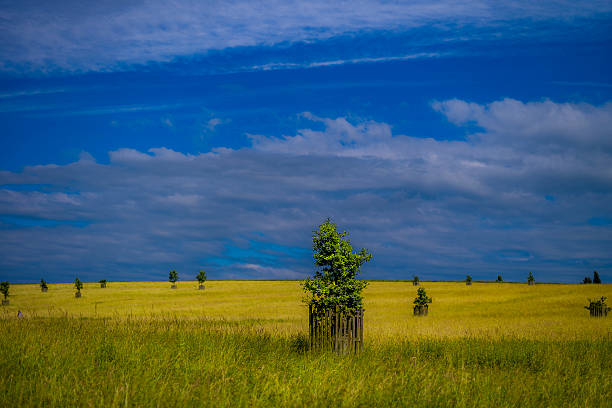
(242, 343)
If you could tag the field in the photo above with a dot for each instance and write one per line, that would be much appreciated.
(240, 343)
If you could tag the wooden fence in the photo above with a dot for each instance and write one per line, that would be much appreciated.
(333, 330)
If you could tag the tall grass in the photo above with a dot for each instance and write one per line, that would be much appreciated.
(240, 344)
(178, 362)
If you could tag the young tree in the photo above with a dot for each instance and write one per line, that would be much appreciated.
(499, 278)
(173, 277)
(334, 284)
(78, 286)
(596, 278)
(530, 279)
(43, 285)
(201, 277)
(421, 302)
(4, 289)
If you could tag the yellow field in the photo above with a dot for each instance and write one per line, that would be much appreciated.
(485, 310)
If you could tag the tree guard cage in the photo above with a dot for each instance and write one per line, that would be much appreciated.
(335, 331)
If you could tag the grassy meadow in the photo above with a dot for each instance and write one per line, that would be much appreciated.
(240, 343)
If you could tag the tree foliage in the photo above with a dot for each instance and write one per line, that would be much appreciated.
(335, 283)
(468, 278)
(422, 300)
(499, 278)
(78, 284)
(4, 288)
(43, 284)
(201, 277)
(530, 278)
(173, 276)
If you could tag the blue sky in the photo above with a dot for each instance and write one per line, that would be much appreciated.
(447, 137)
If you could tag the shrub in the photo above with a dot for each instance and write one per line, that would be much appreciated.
(78, 285)
(587, 280)
(335, 284)
(499, 278)
(201, 277)
(173, 276)
(4, 289)
(596, 278)
(43, 284)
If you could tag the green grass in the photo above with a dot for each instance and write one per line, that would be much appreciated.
(236, 344)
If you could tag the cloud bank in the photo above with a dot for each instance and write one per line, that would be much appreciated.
(530, 189)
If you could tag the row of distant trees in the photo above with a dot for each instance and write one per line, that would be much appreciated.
(596, 278)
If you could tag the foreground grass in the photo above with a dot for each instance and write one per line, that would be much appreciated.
(195, 362)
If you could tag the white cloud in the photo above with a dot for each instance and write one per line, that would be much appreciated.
(77, 36)
(434, 207)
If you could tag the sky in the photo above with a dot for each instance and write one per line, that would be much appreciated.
(447, 137)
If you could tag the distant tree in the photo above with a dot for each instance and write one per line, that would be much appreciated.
(335, 284)
(415, 280)
(201, 277)
(102, 283)
(587, 280)
(4, 289)
(468, 279)
(43, 284)
(530, 278)
(78, 285)
(173, 277)
(596, 278)
(499, 278)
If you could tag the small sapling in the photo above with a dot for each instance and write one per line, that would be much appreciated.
(421, 303)
(173, 277)
(201, 277)
(4, 289)
(78, 285)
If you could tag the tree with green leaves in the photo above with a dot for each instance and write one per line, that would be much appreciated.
(468, 280)
(415, 280)
(102, 283)
(596, 278)
(421, 303)
(530, 279)
(334, 285)
(4, 289)
(201, 277)
(587, 280)
(78, 285)
(173, 277)
(43, 285)
(499, 279)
